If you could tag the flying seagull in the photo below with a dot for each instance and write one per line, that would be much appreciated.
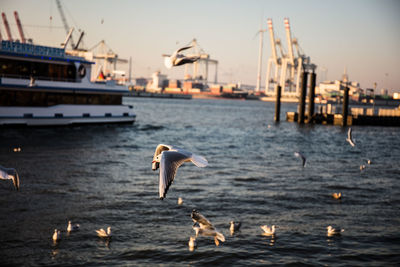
(102, 233)
(350, 138)
(177, 59)
(168, 159)
(205, 228)
(10, 174)
(300, 155)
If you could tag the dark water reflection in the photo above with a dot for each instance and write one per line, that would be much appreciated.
(101, 175)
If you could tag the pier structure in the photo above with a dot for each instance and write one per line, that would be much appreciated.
(286, 69)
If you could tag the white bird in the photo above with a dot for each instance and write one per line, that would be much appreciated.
(362, 167)
(192, 243)
(300, 155)
(350, 137)
(368, 161)
(177, 59)
(10, 174)
(168, 159)
(72, 227)
(205, 228)
(332, 231)
(337, 195)
(102, 233)
(268, 230)
(180, 201)
(56, 235)
(235, 226)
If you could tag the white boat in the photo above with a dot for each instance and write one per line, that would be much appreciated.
(42, 85)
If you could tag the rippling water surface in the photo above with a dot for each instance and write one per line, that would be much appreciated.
(101, 176)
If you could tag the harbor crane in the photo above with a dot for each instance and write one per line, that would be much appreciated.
(197, 74)
(7, 26)
(261, 33)
(288, 68)
(65, 23)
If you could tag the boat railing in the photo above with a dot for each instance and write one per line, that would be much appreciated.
(38, 78)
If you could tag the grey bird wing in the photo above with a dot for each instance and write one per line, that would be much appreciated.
(201, 220)
(303, 158)
(185, 60)
(16, 180)
(170, 162)
(183, 48)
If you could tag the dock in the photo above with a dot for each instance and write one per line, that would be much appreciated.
(158, 95)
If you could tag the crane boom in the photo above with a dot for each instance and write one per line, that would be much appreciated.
(289, 41)
(64, 20)
(273, 43)
(7, 26)
(21, 32)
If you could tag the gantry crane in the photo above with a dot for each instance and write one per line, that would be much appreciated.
(65, 23)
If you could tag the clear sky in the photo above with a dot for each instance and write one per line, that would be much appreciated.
(362, 36)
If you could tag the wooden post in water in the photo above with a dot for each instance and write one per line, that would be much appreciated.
(302, 100)
(278, 90)
(311, 97)
(345, 109)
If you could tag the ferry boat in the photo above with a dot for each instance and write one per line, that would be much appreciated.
(43, 85)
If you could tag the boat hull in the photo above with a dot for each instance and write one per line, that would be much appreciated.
(59, 115)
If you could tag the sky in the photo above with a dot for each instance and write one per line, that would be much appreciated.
(361, 36)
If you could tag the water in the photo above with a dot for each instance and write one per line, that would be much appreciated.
(101, 175)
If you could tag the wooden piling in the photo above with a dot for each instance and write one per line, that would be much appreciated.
(311, 97)
(302, 100)
(278, 90)
(345, 109)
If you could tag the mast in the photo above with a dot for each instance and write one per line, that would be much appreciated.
(261, 32)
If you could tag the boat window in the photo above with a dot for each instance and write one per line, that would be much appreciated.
(14, 68)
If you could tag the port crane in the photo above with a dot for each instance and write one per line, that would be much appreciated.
(261, 33)
(288, 68)
(205, 60)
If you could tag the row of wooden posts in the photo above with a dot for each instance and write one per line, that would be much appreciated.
(311, 97)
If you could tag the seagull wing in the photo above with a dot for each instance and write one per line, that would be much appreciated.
(101, 232)
(201, 220)
(170, 162)
(185, 60)
(16, 180)
(183, 48)
(350, 137)
(303, 158)
(197, 160)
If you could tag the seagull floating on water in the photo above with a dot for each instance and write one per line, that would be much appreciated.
(72, 227)
(300, 155)
(168, 159)
(235, 226)
(180, 201)
(337, 195)
(350, 137)
(10, 174)
(332, 231)
(362, 167)
(205, 228)
(177, 59)
(268, 230)
(102, 233)
(56, 235)
(368, 161)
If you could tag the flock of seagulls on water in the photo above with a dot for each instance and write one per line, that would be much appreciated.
(168, 159)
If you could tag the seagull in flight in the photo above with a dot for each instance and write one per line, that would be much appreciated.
(350, 137)
(300, 155)
(10, 174)
(168, 159)
(177, 59)
(205, 228)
